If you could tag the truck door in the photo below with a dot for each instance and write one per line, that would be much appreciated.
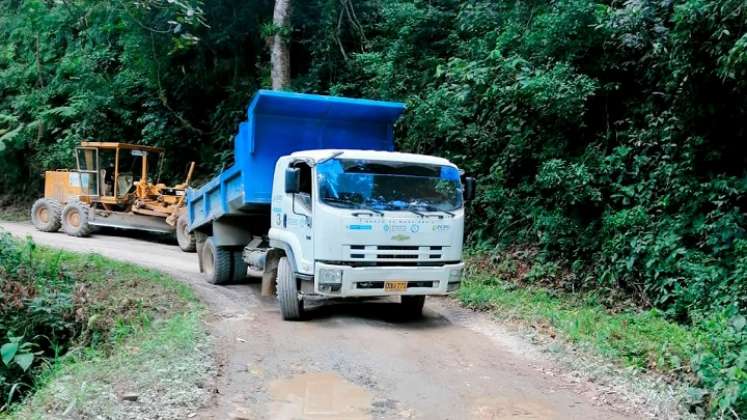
(298, 218)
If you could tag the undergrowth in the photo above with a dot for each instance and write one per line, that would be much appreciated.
(708, 353)
(57, 306)
(14, 209)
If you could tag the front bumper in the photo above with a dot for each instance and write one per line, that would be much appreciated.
(369, 281)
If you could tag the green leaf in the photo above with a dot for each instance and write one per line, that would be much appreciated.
(8, 351)
(738, 322)
(24, 360)
(10, 135)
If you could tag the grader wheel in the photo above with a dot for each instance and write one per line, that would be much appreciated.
(75, 219)
(45, 215)
(185, 239)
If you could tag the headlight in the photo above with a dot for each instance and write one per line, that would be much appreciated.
(455, 276)
(330, 276)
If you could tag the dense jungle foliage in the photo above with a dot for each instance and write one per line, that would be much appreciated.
(607, 135)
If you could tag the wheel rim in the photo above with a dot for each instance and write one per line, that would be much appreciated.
(42, 214)
(73, 218)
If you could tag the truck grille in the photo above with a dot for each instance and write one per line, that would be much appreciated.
(395, 253)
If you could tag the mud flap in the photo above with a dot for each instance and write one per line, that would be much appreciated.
(270, 273)
(200, 239)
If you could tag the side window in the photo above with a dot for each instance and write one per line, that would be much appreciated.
(304, 196)
(88, 174)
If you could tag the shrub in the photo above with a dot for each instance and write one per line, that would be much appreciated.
(37, 314)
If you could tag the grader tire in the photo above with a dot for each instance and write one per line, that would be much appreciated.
(291, 307)
(75, 219)
(46, 215)
(216, 263)
(185, 239)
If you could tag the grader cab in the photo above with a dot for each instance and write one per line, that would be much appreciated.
(112, 186)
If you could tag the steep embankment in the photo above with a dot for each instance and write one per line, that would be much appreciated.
(86, 336)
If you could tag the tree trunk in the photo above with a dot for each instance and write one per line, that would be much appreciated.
(280, 55)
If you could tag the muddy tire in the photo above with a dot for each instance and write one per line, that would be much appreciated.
(412, 306)
(46, 215)
(240, 268)
(287, 288)
(216, 263)
(75, 219)
(185, 239)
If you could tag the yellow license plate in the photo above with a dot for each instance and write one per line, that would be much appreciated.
(395, 286)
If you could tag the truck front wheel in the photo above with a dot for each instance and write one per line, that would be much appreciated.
(291, 306)
(412, 306)
(216, 262)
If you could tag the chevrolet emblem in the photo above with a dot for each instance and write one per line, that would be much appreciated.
(400, 237)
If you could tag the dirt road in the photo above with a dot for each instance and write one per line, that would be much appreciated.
(356, 361)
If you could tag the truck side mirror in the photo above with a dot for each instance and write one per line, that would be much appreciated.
(292, 180)
(470, 184)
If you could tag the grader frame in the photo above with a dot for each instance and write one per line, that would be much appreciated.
(97, 194)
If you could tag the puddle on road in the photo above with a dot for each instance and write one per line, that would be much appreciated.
(314, 396)
(504, 409)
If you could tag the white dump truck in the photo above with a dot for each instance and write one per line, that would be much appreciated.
(319, 206)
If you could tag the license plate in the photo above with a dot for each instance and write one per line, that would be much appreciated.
(395, 286)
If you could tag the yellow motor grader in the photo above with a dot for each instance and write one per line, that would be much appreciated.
(111, 187)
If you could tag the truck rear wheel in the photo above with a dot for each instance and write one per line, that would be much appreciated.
(46, 215)
(75, 219)
(185, 239)
(291, 306)
(240, 268)
(216, 262)
(412, 306)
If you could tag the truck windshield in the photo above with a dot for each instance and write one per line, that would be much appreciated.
(380, 185)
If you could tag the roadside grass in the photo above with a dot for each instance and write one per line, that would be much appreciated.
(707, 355)
(165, 366)
(136, 331)
(644, 340)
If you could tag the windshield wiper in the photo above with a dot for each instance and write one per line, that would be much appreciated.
(411, 210)
(430, 207)
(354, 204)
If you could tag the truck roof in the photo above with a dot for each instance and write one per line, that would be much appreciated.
(377, 155)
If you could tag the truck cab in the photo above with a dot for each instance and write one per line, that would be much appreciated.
(369, 223)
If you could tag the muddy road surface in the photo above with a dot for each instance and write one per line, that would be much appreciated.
(357, 360)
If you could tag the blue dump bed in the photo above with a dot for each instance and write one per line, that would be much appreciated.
(280, 123)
